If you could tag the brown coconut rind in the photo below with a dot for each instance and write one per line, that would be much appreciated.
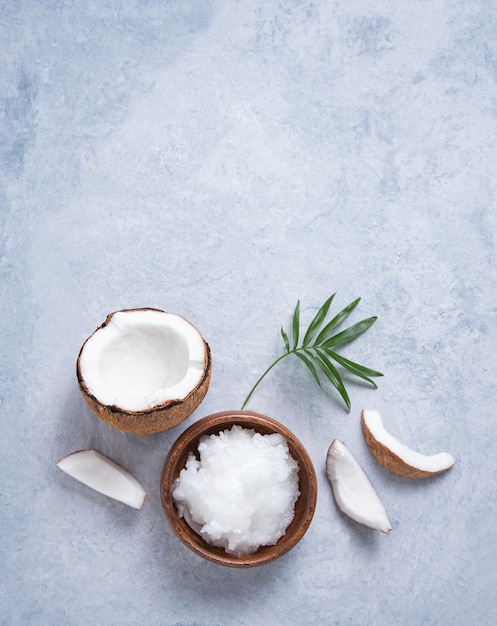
(391, 461)
(151, 421)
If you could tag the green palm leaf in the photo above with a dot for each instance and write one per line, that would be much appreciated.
(285, 339)
(296, 325)
(317, 321)
(350, 333)
(318, 357)
(333, 376)
(336, 321)
(355, 368)
(310, 365)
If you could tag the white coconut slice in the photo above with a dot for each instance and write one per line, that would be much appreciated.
(144, 370)
(397, 457)
(353, 492)
(99, 472)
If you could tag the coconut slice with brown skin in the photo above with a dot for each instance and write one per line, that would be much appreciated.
(144, 371)
(353, 492)
(397, 457)
(95, 470)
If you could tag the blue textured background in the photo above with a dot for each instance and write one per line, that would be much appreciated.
(220, 160)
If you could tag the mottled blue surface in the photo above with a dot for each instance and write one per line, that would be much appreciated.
(220, 160)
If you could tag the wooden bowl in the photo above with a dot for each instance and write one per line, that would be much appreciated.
(188, 442)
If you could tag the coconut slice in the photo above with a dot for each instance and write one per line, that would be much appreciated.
(397, 457)
(144, 371)
(354, 494)
(99, 472)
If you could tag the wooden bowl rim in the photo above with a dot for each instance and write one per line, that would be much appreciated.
(304, 507)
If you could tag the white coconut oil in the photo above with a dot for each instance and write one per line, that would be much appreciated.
(240, 493)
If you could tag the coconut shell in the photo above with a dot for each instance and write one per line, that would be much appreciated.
(391, 461)
(150, 421)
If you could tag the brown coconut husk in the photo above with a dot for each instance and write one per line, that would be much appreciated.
(391, 461)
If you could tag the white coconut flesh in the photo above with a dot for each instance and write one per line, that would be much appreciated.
(353, 492)
(141, 359)
(97, 471)
(431, 464)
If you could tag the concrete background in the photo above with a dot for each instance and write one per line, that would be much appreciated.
(221, 160)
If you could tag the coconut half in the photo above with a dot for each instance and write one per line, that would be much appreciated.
(397, 457)
(353, 492)
(144, 371)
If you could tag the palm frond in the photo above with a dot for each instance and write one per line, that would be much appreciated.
(318, 354)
